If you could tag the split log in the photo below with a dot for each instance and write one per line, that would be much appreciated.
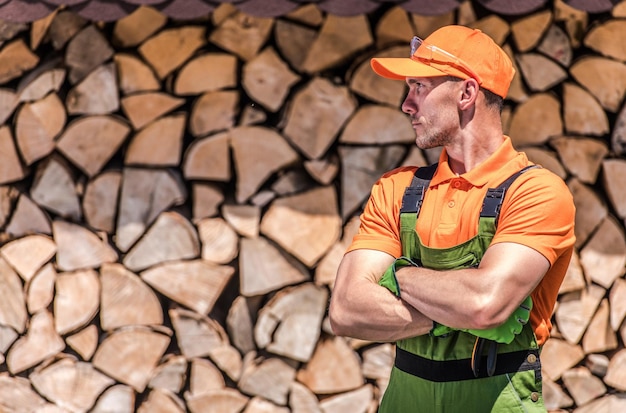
(63, 27)
(314, 120)
(213, 111)
(245, 219)
(205, 377)
(604, 78)
(90, 142)
(145, 194)
(494, 26)
(616, 373)
(138, 26)
(270, 378)
(590, 211)
(262, 268)
(159, 143)
(258, 153)
(306, 225)
(54, 188)
(242, 34)
(142, 108)
(161, 401)
(171, 238)
(40, 289)
(11, 168)
(558, 356)
(209, 158)
(612, 170)
(378, 125)
(206, 200)
(260, 405)
(554, 397)
(224, 400)
(289, 324)
(170, 48)
(547, 159)
(601, 38)
(130, 355)
(118, 398)
(359, 400)
(170, 375)
(13, 307)
(582, 112)
(575, 311)
(536, 120)
(207, 73)
(196, 284)
(84, 342)
(618, 137)
(365, 82)
(323, 170)
(557, 46)
(126, 300)
(28, 218)
(219, 240)
(393, 27)
(87, 50)
(326, 269)
(16, 394)
(345, 375)
(268, 80)
(617, 300)
(293, 41)
(28, 254)
(574, 277)
(528, 31)
(79, 248)
(581, 156)
(134, 75)
(76, 301)
(540, 72)
(240, 324)
(603, 258)
(599, 336)
(609, 403)
(96, 94)
(40, 82)
(301, 399)
(582, 385)
(8, 103)
(40, 343)
(70, 384)
(37, 125)
(101, 199)
(16, 59)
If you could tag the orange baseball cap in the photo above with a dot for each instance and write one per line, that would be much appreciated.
(452, 51)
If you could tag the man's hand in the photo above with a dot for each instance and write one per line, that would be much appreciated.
(389, 280)
(506, 332)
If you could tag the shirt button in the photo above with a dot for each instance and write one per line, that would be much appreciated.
(451, 204)
(457, 184)
(534, 396)
(531, 358)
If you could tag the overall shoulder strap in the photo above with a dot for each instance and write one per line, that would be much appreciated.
(414, 194)
(495, 196)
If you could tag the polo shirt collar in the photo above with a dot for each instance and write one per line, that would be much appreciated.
(498, 163)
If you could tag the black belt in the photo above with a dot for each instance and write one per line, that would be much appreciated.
(455, 370)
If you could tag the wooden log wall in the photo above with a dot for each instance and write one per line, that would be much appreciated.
(175, 198)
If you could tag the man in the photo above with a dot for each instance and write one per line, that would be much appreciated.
(443, 265)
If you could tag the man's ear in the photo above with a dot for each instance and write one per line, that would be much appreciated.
(469, 93)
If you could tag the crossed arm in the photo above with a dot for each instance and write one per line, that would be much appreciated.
(474, 298)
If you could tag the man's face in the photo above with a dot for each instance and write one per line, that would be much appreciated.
(430, 103)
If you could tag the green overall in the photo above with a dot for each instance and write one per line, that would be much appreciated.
(434, 374)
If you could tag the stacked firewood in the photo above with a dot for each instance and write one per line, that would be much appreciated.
(175, 197)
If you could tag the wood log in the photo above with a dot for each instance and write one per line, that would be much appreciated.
(581, 156)
(37, 125)
(289, 324)
(599, 336)
(39, 29)
(87, 50)
(240, 323)
(40, 82)
(270, 378)
(206, 200)
(224, 400)
(207, 73)
(145, 194)
(40, 343)
(554, 397)
(170, 375)
(213, 111)
(11, 168)
(79, 248)
(130, 355)
(245, 219)
(16, 393)
(260, 405)
(28, 218)
(84, 342)
(90, 142)
(258, 153)
(604, 78)
(313, 221)
(161, 401)
(323, 170)
(126, 300)
(16, 59)
(313, 120)
(536, 120)
(618, 137)
(547, 159)
(63, 27)
(209, 158)
(326, 269)
(40, 289)
(576, 310)
(137, 27)
(8, 103)
(393, 27)
(582, 113)
(171, 238)
(558, 356)
(143, 108)
(170, 48)
(70, 384)
(615, 376)
(13, 309)
(590, 211)
(604, 256)
(96, 94)
(134, 75)
(303, 400)
(617, 303)
(612, 170)
(76, 300)
(377, 125)
(101, 199)
(28, 254)
(204, 377)
(268, 80)
(556, 45)
(54, 188)
(540, 72)
(368, 84)
(346, 374)
(262, 268)
(574, 277)
(159, 143)
(528, 31)
(219, 240)
(241, 34)
(359, 400)
(582, 385)
(601, 38)
(197, 284)
(293, 40)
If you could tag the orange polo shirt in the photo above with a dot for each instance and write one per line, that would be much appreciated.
(538, 212)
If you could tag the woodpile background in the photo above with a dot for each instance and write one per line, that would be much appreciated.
(175, 197)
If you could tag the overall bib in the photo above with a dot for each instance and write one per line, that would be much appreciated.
(434, 374)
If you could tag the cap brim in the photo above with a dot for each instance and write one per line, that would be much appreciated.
(399, 68)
